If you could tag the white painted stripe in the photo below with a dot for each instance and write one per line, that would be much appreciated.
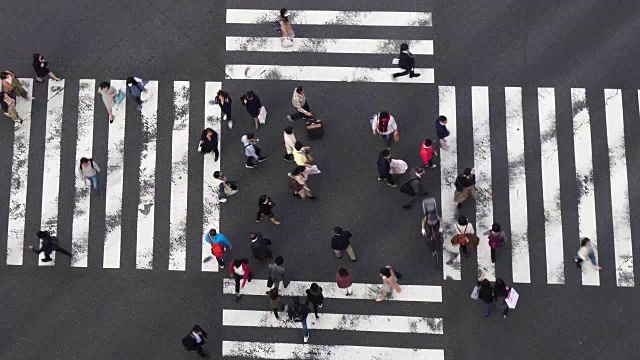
(324, 17)
(210, 205)
(451, 267)
(147, 180)
(584, 178)
(619, 188)
(84, 148)
(322, 45)
(551, 186)
(330, 290)
(113, 199)
(344, 322)
(51, 171)
(19, 175)
(482, 165)
(324, 73)
(517, 185)
(179, 177)
(269, 350)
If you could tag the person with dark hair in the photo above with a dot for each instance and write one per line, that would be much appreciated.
(49, 245)
(252, 151)
(274, 302)
(286, 31)
(315, 297)
(277, 274)
(195, 340)
(406, 62)
(302, 158)
(260, 246)
(586, 253)
(485, 295)
(427, 153)
(219, 243)
(224, 101)
(12, 85)
(384, 168)
(497, 238)
(240, 271)
(500, 292)
(290, 143)
(41, 66)
(298, 183)
(265, 204)
(253, 105)
(341, 242)
(226, 187)
(465, 186)
(135, 88)
(385, 125)
(209, 143)
(464, 230)
(8, 105)
(414, 188)
(389, 283)
(299, 102)
(108, 94)
(344, 279)
(442, 132)
(298, 312)
(89, 170)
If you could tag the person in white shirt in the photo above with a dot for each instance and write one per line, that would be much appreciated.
(89, 170)
(464, 227)
(289, 143)
(385, 125)
(586, 253)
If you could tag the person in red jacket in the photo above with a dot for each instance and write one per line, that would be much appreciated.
(427, 153)
(240, 270)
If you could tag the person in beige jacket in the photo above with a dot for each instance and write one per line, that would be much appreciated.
(299, 183)
(389, 283)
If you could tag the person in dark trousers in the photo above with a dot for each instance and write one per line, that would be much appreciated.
(465, 186)
(219, 243)
(209, 143)
(464, 228)
(586, 253)
(195, 340)
(240, 271)
(252, 102)
(407, 62)
(252, 151)
(277, 273)
(135, 88)
(265, 204)
(485, 295)
(385, 124)
(226, 187)
(384, 168)
(500, 292)
(49, 245)
(341, 242)
(299, 102)
(41, 67)
(260, 246)
(442, 132)
(414, 188)
(497, 238)
(224, 101)
(314, 296)
(274, 302)
(298, 312)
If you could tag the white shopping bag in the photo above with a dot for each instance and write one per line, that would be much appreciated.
(145, 95)
(395, 61)
(475, 293)
(262, 116)
(287, 43)
(512, 298)
(312, 170)
(398, 166)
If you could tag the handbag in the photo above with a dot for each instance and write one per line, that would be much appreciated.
(395, 61)
(287, 43)
(312, 170)
(398, 166)
(262, 116)
(512, 298)
(295, 185)
(120, 95)
(269, 282)
(475, 293)
(396, 136)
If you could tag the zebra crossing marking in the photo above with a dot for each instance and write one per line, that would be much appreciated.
(324, 73)
(328, 17)
(324, 45)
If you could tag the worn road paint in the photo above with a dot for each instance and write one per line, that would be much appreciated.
(333, 46)
(324, 17)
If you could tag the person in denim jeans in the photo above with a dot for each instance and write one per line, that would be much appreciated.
(89, 169)
(485, 296)
(298, 312)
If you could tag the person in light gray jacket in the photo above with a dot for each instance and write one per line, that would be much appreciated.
(89, 170)
(251, 150)
(277, 273)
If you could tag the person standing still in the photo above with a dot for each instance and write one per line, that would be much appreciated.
(406, 62)
(414, 188)
(341, 242)
(41, 67)
(260, 246)
(465, 186)
(135, 88)
(344, 279)
(224, 101)
(298, 312)
(89, 170)
(195, 340)
(384, 168)
(497, 238)
(277, 274)
(219, 243)
(389, 283)
(240, 271)
(315, 297)
(299, 102)
(442, 132)
(385, 125)
(253, 105)
(265, 204)
(49, 245)
(252, 151)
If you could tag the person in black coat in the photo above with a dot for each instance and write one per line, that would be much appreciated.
(209, 143)
(416, 187)
(407, 62)
(224, 101)
(195, 340)
(315, 297)
(49, 244)
(264, 209)
(485, 295)
(260, 246)
(384, 168)
(442, 132)
(252, 102)
(341, 242)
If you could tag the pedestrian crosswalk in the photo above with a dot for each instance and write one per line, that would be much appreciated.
(311, 45)
(354, 325)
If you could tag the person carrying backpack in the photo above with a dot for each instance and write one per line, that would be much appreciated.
(414, 188)
(465, 235)
(497, 238)
(219, 243)
(298, 312)
(195, 340)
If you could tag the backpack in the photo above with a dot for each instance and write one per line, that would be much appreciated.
(407, 189)
(217, 250)
(277, 27)
(432, 219)
(458, 184)
(189, 342)
(295, 313)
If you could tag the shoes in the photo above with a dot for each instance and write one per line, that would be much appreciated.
(222, 200)
(434, 165)
(238, 296)
(406, 207)
(379, 299)
(47, 260)
(459, 206)
(306, 338)
(390, 184)
(249, 166)
(275, 222)
(296, 194)
(414, 75)
(354, 260)
(380, 179)
(504, 316)
(348, 294)
(262, 158)
(290, 118)
(313, 198)
(320, 306)
(230, 123)
(317, 317)
(221, 266)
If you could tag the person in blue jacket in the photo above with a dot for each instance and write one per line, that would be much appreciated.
(219, 243)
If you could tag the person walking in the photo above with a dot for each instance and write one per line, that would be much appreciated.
(12, 85)
(298, 183)
(414, 188)
(195, 340)
(465, 186)
(224, 101)
(500, 292)
(586, 253)
(135, 88)
(314, 296)
(344, 279)
(427, 153)
(260, 246)
(240, 271)
(209, 143)
(41, 67)
(485, 295)
(389, 283)
(385, 125)
(464, 230)
(108, 94)
(341, 242)
(406, 62)
(286, 30)
(226, 187)
(384, 168)
(289, 143)
(302, 158)
(252, 151)
(219, 243)
(265, 204)
(277, 274)
(274, 302)
(298, 312)
(442, 132)
(89, 170)
(49, 244)
(253, 105)
(497, 238)
(433, 222)
(299, 102)
(9, 108)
